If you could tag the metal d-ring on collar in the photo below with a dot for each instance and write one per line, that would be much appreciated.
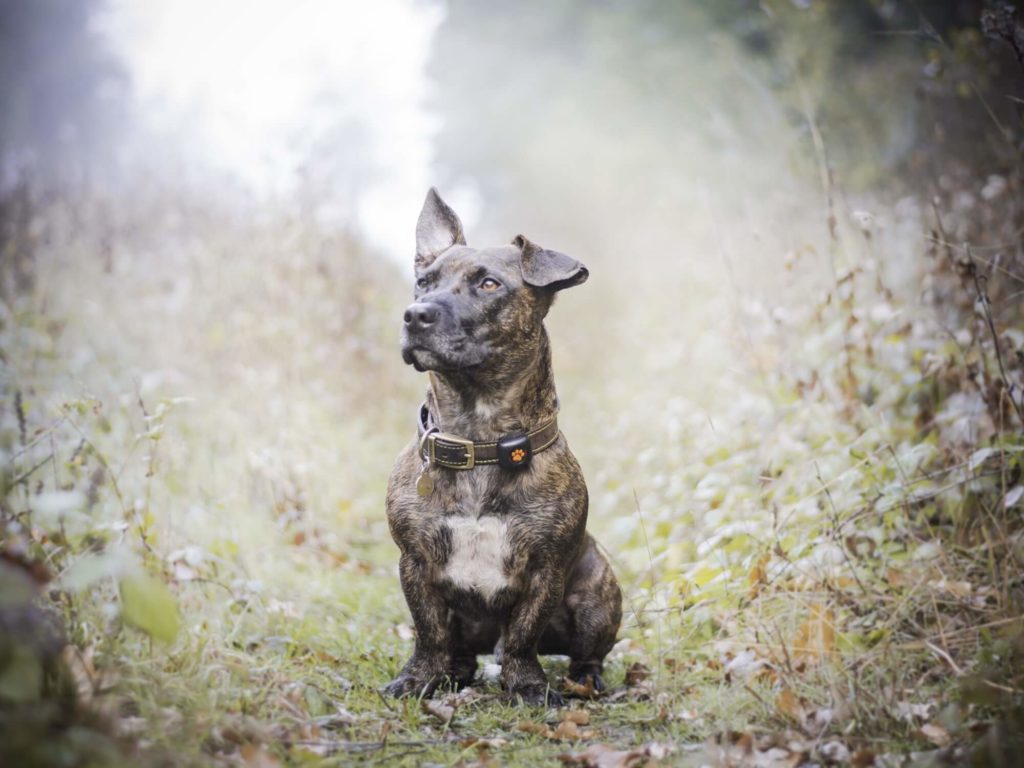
(513, 451)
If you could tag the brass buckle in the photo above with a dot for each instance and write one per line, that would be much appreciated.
(467, 444)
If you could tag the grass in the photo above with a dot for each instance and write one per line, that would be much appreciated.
(820, 554)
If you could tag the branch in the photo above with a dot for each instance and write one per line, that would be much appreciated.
(980, 282)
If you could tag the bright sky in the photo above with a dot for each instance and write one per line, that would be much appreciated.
(252, 85)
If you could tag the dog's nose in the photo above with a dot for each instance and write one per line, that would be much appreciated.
(421, 315)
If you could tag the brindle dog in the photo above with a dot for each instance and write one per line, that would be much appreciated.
(494, 559)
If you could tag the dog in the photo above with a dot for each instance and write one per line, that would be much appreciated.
(487, 504)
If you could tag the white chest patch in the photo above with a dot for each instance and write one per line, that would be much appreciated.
(478, 554)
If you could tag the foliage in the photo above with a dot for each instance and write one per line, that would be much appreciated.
(809, 479)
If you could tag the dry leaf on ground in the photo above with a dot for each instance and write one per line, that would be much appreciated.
(578, 716)
(440, 710)
(605, 756)
(863, 758)
(566, 730)
(482, 744)
(636, 673)
(789, 705)
(257, 757)
(936, 734)
(582, 690)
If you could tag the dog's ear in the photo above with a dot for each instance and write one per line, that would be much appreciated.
(437, 230)
(549, 269)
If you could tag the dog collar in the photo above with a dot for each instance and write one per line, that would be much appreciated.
(512, 451)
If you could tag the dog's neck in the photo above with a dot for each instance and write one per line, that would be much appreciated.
(519, 398)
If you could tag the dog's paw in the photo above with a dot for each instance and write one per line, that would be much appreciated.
(590, 680)
(407, 685)
(462, 672)
(539, 696)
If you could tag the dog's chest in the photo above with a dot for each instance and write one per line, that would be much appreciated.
(479, 548)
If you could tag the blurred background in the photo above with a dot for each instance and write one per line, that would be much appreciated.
(207, 215)
(215, 207)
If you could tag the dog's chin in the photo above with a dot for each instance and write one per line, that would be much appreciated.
(423, 359)
(418, 358)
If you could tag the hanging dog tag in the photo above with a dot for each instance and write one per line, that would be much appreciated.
(425, 483)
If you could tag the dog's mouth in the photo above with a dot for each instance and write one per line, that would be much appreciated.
(455, 355)
(412, 356)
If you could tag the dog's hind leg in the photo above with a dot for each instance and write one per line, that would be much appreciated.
(587, 624)
(468, 639)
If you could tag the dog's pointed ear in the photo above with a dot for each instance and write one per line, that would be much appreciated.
(437, 229)
(549, 269)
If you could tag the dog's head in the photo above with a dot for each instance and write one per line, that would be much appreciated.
(478, 310)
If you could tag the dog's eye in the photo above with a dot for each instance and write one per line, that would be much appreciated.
(422, 283)
(489, 284)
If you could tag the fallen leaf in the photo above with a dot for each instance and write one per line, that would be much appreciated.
(835, 752)
(936, 734)
(908, 711)
(567, 730)
(485, 760)
(578, 716)
(440, 710)
(758, 575)
(582, 690)
(862, 758)
(959, 589)
(605, 756)
(788, 704)
(147, 604)
(527, 726)
(1013, 496)
(483, 744)
(257, 757)
(979, 457)
(462, 698)
(744, 664)
(745, 741)
(636, 673)
(816, 637)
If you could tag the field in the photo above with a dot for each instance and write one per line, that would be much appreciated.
(802, 439)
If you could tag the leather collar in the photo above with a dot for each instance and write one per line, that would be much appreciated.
(513, 451)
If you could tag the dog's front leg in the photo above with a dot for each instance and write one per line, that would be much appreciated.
(521, 673)
(427, 667)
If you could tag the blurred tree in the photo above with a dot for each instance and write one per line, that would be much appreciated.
(61, 92)
(649, 97)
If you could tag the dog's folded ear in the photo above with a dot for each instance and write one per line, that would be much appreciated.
(549, 269)
(437, 230)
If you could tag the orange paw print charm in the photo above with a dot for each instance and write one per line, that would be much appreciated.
(518, 455)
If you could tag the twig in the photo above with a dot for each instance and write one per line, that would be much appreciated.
(654, 580)
(944, 656)
(980, 285)
(103, 463)
(29, 472)
(837, 525)
(362, 746)
(1004, 688)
